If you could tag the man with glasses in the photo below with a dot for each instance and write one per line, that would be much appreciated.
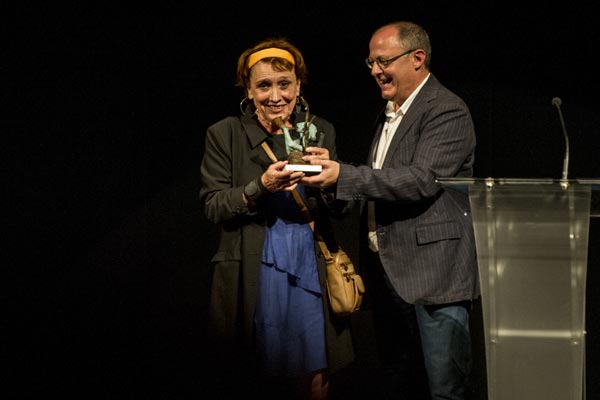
(417, 244)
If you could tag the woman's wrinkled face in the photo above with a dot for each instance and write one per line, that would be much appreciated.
(273, 93)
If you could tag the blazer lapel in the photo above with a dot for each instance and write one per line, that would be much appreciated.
(425, 95)
(375, 142)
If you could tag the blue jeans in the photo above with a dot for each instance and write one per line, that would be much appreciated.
(401, 374)
(446, 343)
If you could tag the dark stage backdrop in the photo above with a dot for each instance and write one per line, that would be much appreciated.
(108, 261)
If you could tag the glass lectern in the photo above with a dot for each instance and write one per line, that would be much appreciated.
(532, 247)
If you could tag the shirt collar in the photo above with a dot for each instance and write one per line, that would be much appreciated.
(389, 107)
(390, 114)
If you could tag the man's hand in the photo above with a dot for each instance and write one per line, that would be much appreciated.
(315, 153)
(328, 176)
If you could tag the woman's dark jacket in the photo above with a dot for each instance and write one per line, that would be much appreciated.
(233, 156)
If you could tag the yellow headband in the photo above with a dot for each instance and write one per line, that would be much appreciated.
(270, 52)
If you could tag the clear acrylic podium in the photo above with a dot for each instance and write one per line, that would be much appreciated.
(532, 247)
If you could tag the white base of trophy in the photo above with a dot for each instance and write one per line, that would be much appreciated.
(306, 168)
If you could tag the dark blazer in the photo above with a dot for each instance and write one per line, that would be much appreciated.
(425, 233)
(233, 156)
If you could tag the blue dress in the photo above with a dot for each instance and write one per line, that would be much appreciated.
(289, 322)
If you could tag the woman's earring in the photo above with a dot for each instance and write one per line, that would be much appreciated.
(244, 104)
(303, 102)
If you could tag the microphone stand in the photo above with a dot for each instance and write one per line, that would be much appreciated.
(564, 182)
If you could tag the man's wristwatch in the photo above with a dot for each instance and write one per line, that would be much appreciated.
(254, 190)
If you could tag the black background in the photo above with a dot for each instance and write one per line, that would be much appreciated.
(105, 110)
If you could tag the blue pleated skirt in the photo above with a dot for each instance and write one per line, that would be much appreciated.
(289, 322)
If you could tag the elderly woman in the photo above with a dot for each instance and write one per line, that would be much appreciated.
(268, 305)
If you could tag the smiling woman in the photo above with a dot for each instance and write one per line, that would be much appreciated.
(268, 276)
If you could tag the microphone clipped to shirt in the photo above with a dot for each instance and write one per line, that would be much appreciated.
(564, 182)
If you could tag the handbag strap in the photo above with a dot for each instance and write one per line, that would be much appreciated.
(303, 209)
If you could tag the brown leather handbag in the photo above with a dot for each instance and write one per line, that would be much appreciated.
(345, 287)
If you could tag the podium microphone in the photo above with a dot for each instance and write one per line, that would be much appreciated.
(564, 181)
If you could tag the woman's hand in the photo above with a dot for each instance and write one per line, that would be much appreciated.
(276, 178)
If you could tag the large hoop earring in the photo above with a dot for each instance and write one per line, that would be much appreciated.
(244, 104)
(304, 104)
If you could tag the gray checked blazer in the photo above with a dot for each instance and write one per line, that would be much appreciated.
(425, 232)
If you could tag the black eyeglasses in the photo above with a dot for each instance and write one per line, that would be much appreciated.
(384, 62)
